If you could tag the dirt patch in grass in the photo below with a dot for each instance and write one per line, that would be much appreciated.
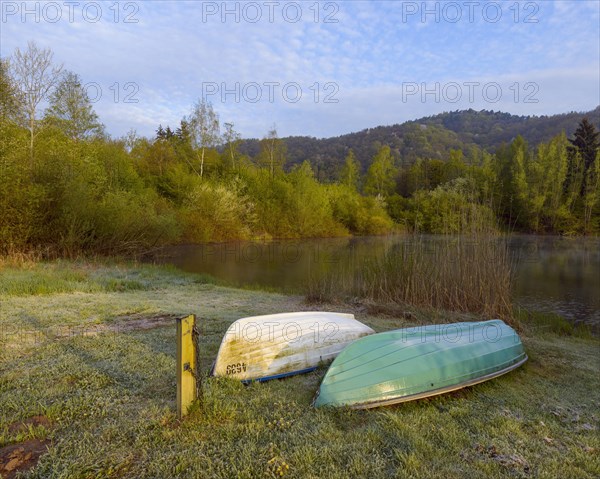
(510, 461)
(34, 421)
(121, 324)
(141, 322)
(21, 457)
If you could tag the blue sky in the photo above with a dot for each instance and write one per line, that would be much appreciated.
(373, 63)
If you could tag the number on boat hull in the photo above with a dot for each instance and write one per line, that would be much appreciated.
(236, 368)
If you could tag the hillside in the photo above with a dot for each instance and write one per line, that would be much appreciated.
(429, 137)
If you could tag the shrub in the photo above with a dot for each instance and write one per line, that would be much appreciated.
(360, 215)
(214, 212)
(449, 209)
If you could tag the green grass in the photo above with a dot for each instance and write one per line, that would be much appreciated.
(551, 322)
(110, 398)
(69, 277)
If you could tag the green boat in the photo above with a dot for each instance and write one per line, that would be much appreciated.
(414, 363)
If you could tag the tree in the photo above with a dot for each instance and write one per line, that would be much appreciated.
(11, 102)
(546, 175)
(165, 134)
(415, 178)
(515, 180)
(591, 196)
(71, 109)
(273, 151)
(162, 152)
(311, 212)
(381, 176)
(438, 172)
(350, 174)
(204, 129)
(455, 167)
(183, 144)
(586, 142)
(130, 139)
(484, 177)
(160, 133)
(35, 76)
(183, 132)
(232, 140)
(573, 186)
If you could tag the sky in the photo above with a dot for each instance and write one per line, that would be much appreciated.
(314, 68)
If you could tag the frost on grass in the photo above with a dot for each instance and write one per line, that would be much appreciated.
(110, 400)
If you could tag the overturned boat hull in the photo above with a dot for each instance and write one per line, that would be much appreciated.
(415, 363)
(273, 346)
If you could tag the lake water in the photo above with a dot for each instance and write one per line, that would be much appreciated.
(553, 274)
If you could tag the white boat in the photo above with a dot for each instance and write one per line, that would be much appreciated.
(273, 346)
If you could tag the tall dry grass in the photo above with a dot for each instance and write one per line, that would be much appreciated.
(465, 274)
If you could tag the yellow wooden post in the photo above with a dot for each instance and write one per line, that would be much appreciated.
(186, 364)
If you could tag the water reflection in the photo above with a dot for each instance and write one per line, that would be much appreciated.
(552, 273)
(560, 275)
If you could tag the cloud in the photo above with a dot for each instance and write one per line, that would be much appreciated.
(175, 48)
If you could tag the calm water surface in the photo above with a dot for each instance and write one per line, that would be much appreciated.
(552, 273)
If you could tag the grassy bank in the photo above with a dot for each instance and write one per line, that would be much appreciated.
(101, 397)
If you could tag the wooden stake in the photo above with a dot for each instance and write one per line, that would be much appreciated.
(186, 364)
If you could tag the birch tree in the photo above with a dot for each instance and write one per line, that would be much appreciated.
(204, 128)
(35, 75)
(272, 151)
(231, 138)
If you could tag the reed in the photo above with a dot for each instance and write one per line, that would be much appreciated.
(464, 274)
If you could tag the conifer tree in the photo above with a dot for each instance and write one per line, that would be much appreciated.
(586, 141)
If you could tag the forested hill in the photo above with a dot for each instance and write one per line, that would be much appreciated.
(430, 137)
